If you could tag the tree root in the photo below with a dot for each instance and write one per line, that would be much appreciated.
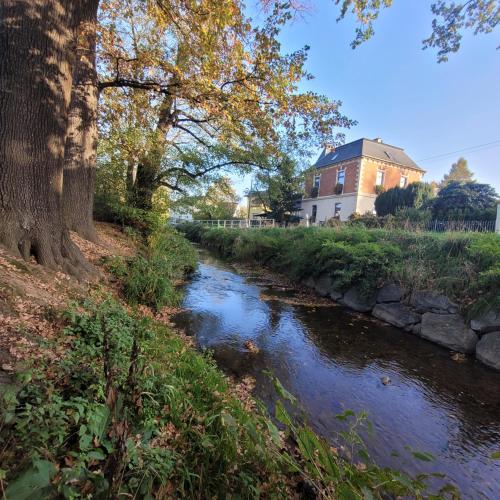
(52, 248)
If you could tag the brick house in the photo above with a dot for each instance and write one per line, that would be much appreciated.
(346, 179)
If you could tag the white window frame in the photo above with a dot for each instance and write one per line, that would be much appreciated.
(341, 171)
(379, 180)
(317, 177)
(403, 181)
(336, 213)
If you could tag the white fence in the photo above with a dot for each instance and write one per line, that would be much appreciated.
(475, 226)
(438, 226)
(230, 223)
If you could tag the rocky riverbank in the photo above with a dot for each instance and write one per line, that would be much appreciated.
(427, 314)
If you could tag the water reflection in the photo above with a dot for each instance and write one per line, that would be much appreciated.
(333, 359)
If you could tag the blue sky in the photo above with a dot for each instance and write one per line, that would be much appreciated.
(398, 92)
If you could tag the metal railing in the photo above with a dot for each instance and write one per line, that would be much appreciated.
(229, 223)
(475, 226)
(439, 226)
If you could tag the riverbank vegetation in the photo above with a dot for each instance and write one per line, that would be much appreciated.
(124, 405)
(464, 266)
(128, 407)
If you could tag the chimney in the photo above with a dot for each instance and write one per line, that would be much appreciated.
(378, 139)
(329, 148)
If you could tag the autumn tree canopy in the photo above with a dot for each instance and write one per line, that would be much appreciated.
(213, 82)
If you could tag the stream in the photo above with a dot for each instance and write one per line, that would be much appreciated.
(333, 359)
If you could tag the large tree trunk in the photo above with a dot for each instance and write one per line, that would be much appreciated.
(141, 191)
(36, 37)
(81, 141)
(143, 181)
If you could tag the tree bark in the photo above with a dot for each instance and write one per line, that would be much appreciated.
(140, 194)
(141, 188)
(81, 140)
(36, 37)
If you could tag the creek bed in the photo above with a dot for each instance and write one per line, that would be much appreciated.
(333, 359)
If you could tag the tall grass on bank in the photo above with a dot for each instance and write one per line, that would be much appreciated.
(464, 266)
(150, 278)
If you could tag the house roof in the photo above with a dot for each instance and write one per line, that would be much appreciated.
(366, 147)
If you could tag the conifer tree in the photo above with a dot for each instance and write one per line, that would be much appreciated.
(459, 172)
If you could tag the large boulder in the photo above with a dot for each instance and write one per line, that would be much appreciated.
(425, 301)
(488, 322)
(390, 293)
(488, 350)
(396, 314)
(354, 299)
(448, 330)
(323, 285)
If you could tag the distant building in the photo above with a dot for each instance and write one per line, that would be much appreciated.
(348, 178)
(258, 206)
(257, 201)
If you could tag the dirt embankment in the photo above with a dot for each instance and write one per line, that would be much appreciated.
(31, 296)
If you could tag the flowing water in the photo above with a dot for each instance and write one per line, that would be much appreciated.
(332, 359)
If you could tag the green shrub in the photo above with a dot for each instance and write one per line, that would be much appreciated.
(414, 195)
(363, 264)
(464, 266)
(111, 210)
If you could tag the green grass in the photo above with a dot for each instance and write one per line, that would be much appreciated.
(172, 426)
(464, 266)
(150, 278)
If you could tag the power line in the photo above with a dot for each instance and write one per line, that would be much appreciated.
(479, 147)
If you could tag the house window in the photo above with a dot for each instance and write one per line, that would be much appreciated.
(337, 209)
(403, 182)
(317, 179)
(339, 188)
(314, 213)
(380, 178)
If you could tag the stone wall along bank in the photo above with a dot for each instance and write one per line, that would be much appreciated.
(426, 314)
